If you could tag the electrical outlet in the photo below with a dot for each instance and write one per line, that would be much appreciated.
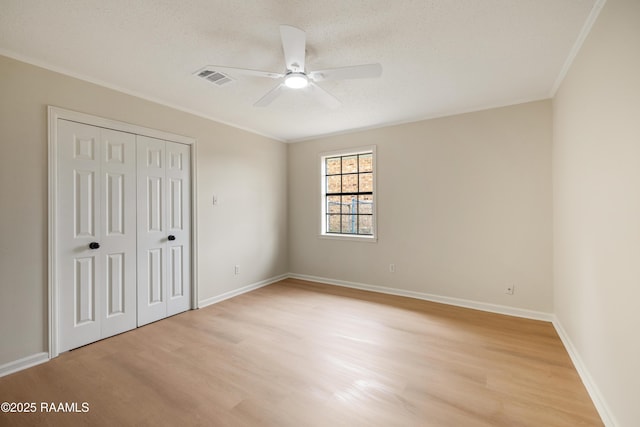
(509, 290)
(392, 268)
(236, 270)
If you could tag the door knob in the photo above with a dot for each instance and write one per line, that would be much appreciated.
(171, 237)
(94, 245)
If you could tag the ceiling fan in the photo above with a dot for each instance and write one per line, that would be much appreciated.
(296, 76)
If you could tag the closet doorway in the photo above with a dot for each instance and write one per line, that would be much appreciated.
(121, 227)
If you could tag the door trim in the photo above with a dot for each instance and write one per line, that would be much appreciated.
(56, 113)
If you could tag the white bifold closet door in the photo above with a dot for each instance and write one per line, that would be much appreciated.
(123, 227)
(96, 219)
(163, 229)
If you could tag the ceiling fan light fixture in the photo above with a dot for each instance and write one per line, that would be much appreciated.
(296, 80)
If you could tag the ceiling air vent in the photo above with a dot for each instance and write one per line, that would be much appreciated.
(213, 76)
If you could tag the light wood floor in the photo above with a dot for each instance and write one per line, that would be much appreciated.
(302, 354)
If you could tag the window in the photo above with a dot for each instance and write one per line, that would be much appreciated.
(348, 193)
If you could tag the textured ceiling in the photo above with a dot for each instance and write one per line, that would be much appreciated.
(439, 57)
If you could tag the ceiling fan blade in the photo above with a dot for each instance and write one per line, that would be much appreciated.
(293, 44)
(245, 72)
(366, 71)
(270, 96)
(325, 97)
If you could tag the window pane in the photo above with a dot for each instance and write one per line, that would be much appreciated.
(365, 204)
(349, 211)
(365, 224)
(366, 162)
(366, 182)
(333, 204)
(333, 165)
(350, 183)
(350, 164)
(333, 184)
(349, 204)
(333, 223)
(349, 224)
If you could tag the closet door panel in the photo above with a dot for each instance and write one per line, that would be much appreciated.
(151, 229)
(118, 225)
(179, 227)
(78, 218)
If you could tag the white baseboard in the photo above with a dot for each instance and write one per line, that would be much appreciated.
(243, 290)
(492, 308)
(24, 363)
(594, 392)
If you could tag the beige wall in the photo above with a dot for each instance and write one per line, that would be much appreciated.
(247, 172)
(464, 208)
(596, 181)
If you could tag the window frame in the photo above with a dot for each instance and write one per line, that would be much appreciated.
(372, 238)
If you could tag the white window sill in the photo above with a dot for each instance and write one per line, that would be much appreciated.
(364, 239)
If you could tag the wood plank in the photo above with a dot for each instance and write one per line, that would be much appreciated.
(297, 353)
